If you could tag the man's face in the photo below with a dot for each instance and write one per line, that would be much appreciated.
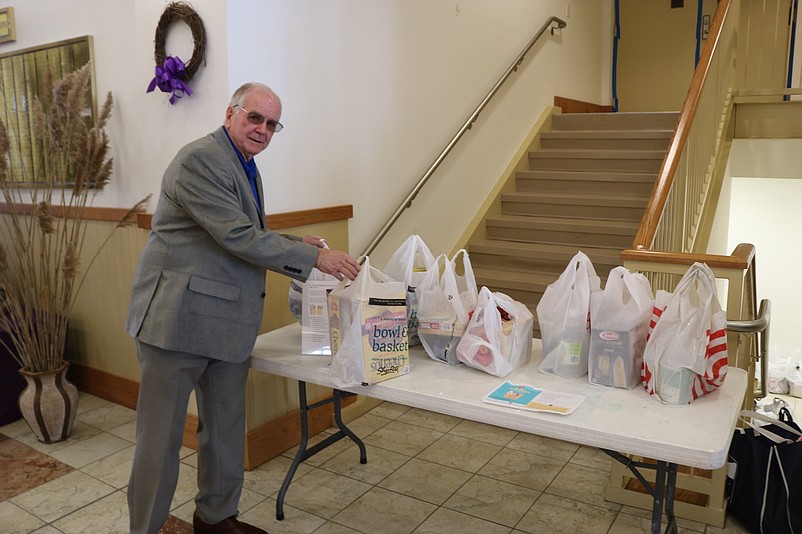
(248, 137)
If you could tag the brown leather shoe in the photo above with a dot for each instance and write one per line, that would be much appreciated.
(227, 526)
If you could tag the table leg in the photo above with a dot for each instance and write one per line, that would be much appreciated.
(671, 484)
(303, 452)
(659, 496)
(338, 418)
(662, 491)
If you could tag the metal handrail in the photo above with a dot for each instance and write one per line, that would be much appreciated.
(467, 126)
(759, 325)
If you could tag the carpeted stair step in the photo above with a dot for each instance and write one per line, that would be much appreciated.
(568, 231)
(582, 205)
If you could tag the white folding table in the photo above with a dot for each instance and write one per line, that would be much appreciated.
(618, 421)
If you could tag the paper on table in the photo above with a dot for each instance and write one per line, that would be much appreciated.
(534, 399)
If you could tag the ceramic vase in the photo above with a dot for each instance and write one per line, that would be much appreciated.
(49, 403)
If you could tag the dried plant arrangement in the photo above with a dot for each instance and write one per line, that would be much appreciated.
(44, 223)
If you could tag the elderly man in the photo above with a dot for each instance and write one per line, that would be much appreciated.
(196, 308)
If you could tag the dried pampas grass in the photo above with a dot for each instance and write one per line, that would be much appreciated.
(44, 224)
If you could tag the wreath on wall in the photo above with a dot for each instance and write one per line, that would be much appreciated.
(172, 74)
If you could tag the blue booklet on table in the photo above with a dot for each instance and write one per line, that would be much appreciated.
(535, 399)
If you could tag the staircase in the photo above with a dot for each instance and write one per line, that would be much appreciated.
(586, 189)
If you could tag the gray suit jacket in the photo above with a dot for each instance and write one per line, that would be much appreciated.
(200, 283)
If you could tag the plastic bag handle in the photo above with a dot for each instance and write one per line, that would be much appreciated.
(431, 279)
(580, 262)
(709, 280)
(697, 272)
(620, 279)
(468, 268)
(434, 269)
(636, 286)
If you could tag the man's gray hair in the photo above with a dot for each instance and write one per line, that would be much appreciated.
(239, 95)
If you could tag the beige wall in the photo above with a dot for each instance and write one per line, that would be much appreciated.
(766, 187)
(763, 35)
(657, 49)
(656, 53)
(97, 336)
(372, 92)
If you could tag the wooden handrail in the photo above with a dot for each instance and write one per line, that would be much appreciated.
(275, 221)
(287, 219)
(741, 257)
(90, 213)
(662, 186)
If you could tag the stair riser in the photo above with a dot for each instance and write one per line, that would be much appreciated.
(564, 210)
(604, 144)
(602, 168)
(594, 164)
(511, 263)
(556, 185)
(578, 239)
(614, 121)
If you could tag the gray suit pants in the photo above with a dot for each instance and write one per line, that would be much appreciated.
(166, 380)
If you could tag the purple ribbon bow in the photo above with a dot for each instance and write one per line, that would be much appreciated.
(168, 79)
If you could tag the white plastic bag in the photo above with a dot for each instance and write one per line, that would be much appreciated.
(794, 380)
(307, 301)
(563, 315)
(408, 264)
(444, 304)
(498, 339)
(295, 299)
(368, 323)
(686, 350)
(295, 294)
(779, 368)
(619, 320)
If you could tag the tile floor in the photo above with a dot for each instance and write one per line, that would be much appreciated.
(427, 473)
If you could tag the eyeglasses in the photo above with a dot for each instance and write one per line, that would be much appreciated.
(257, 119)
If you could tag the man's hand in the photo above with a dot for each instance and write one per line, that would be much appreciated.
(337, 263)
(315, 240)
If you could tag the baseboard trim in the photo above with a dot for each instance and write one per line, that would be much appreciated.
(279, 435)
(110, 387)
(261, 444)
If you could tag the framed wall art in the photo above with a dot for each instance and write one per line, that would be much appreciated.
(23, 75)
(7, 33)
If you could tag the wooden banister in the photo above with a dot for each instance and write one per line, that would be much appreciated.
(662, 186)
(740, 258)
(90, 213)
(275, 221)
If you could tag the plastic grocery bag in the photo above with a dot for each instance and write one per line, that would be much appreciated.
(619, 323)
(444, 304)
(794, 380)
(563, 314)
(408, 264)
(778, 373)
(368, 323)
(498, 339)
(295, 294)
(686, 349)
(295, 299)
(307, 301)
